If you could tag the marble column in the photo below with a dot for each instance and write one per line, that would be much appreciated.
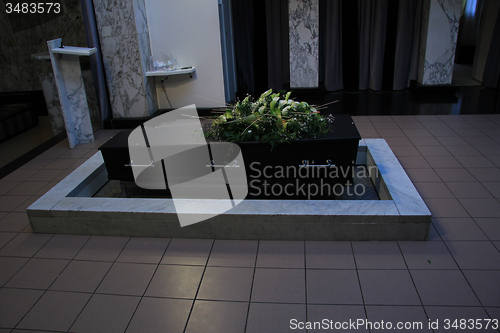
(124, 37)
(303, 18)
(440, 21)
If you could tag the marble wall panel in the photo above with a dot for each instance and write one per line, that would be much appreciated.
(147, 65)
(304, 43)
(440, 23)
(52, 102)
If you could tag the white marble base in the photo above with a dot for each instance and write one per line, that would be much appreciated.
(400, 215)
(71, 91)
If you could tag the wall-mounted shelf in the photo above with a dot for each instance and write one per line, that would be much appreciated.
(173, 72)
(73, 50)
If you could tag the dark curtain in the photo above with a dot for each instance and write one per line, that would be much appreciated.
(491, 76)
(96, 59)
(407, 43)
(243, 32)
(331, 44)
(278, 60)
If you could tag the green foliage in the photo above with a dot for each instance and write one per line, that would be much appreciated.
(271, 118)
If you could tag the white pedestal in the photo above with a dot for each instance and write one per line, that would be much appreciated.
(69, 82)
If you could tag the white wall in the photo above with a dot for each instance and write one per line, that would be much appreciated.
(189, 30)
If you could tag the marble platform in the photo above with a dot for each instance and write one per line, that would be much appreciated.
(401, 214)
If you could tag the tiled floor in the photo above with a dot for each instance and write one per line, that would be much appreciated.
(60, 283)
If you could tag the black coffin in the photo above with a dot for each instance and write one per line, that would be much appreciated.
(309, 158)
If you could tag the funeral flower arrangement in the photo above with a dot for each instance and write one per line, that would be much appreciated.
(273, 118)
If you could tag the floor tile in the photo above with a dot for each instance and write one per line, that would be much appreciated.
(22, 207)
(433, 234)
(127, 279)
(452, 141)
(433, 190)
(226, 284)
(488, 150)
(269, 318)
(468, 190)
(434, 124)
(390, 132)
(81, 276)
(485, 174)
(55, 311)
(333, 287)
(60, 163)
(102, 248)
(5, 238)
(27, 188)
(415, 162)
(455, 175)
(405, 151)
(446, 208)
(10, 266)
(427, 255)
(495, 160)
(493, 312)
(475, 255)
(233, 253)
(330, 255)
(15, 303)
(475, 162)
(442, 314)
(36, 163)
(433, 151)
(37, 274)
(437, 132)
(144, 250)
(156, 314)
(463, 150)
(9, 203)
(392, 316)
(453, 229)
(62, 246)
(481, 207)
(480, 141)
(45, 175)
(378, 255)
(215, 317)
(18, 175)
(443, 287)
(337, 314)
(468, 132)
(490, 227)
(440, 162)
(424, 140)
(14, 222)
(279, 285)
(416, 132)
(485, 285)
(397, 141)
(281, 254)
(6, 187)
(106, 313)
(175, 281)
(388, 287)
(25, 245)
(188, 251)
(423, 175)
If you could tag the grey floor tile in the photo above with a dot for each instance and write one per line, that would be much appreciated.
(480, 141)
(463, 190)
(234, 253)
(423, 175)
(427, 255)
(486, 286)
(37, 274)
(415, 162)
(463, 151)
(443, 287)
(452, 141)
(390, 132)
(443, 162)
(475, 255)
(9, 203)
(397, 141)
(378, 255)
(27, 188)
(475, 162)
(15, 303)
(433, 151)
(392, 316)
(271, 318)
(106, 313)
(127, 279)
(433, 234)
(497, 245)
(37, 163)
(279, 285)
(485, 174)
(493, 188)
(437, 132)
(333, 287)
(55, 311)
(62, 246)
(102, 248)
(154, 315)
(452, 229)
(22, 207)
(144, 250)
(481, 207)
(18, 175)
(388, 287)
(488, 150)
(14, 222)
(330, 255)
(417, 132)
(187, 251)
(226, 284)
(490, 227)
(215, 317)
(81, 276)
(405, 151)
(281, 254)
(45, 175)
(175, 281)
(5, 238)
(455, 175)
(433, 190)
(442, 317)
(446, 208)
(6, 187)
(10, 266)
(493, 312)
(336, 316)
